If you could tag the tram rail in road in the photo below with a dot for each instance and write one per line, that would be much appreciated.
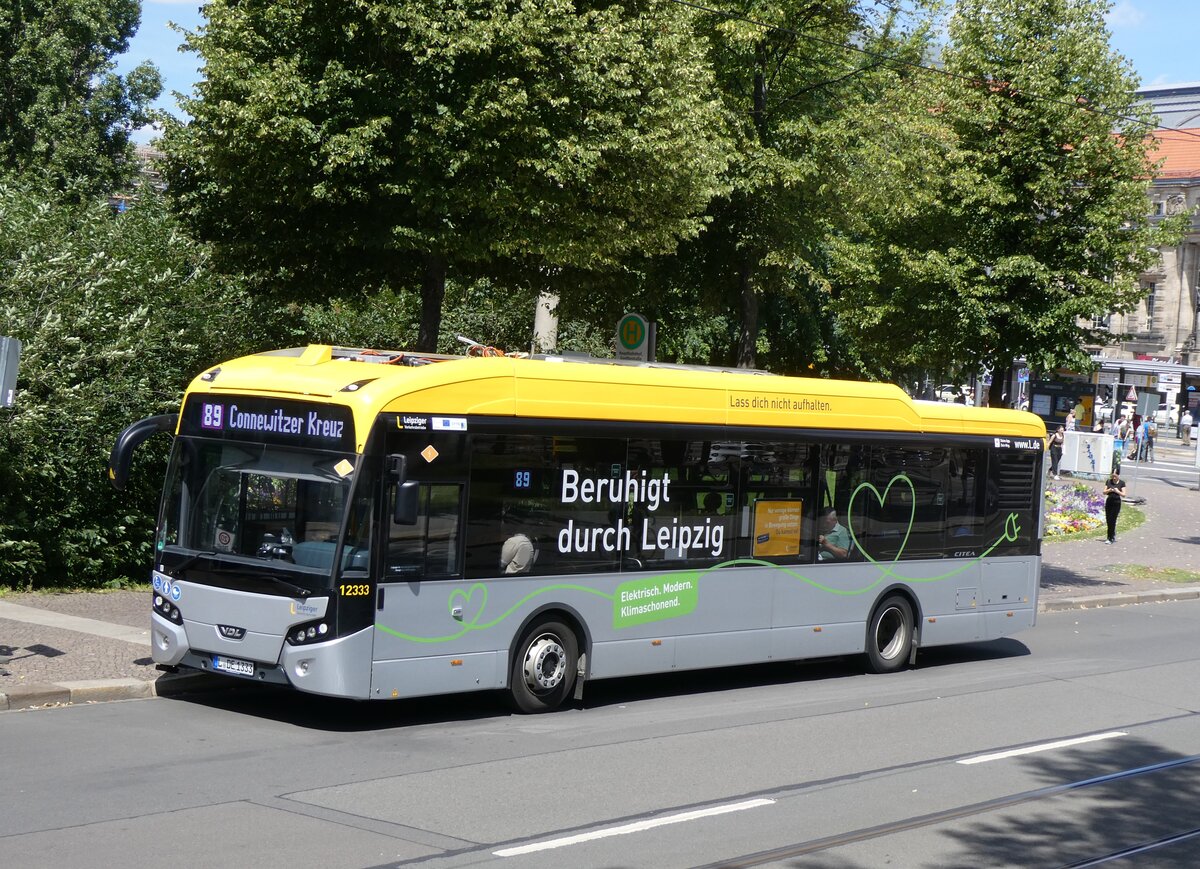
(934, 819)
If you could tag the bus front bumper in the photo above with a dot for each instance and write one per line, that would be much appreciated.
(336, 668)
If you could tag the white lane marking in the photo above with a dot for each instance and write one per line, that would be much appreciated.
(636, 827)
(1048, 746)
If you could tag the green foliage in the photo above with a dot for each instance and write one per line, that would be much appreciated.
(796, 96)
(116, 314)
(481, 311)
(1035, 219)
(64, 113)
(357, 146)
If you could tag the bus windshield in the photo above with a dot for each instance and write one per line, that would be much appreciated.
(257, 511)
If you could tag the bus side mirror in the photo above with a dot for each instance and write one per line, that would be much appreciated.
(404, 511)
(129, 440)
(398, 466)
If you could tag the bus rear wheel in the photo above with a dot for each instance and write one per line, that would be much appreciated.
(890, 634)
(544, 668)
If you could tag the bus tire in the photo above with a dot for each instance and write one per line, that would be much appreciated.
(890, 634)
(544, 668)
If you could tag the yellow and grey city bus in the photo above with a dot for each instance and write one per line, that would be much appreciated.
(379, 524)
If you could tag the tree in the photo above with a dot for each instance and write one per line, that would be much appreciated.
(794, 88)
(1037, 220)
(116, 314)
(63, 112)
(342, 146)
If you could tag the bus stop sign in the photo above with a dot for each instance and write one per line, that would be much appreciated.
(633, 338)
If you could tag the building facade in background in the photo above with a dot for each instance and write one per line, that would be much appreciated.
(1164, 326)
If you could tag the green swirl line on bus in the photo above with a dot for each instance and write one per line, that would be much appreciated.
(1010, 534)
(1011, 530)
(471, 622)
(656, 598)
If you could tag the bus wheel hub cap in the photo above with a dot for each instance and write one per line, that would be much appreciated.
(545, 663)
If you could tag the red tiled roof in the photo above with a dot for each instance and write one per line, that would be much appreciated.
(1179, 151)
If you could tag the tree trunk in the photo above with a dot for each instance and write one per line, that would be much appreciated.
(545, 323)
(748, 332)
(1001, 372)
(433, 293)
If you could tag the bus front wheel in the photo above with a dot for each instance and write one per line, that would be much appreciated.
(544, 668)
(890, 635)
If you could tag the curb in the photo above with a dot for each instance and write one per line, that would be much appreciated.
(44, 695)
(1116, 599)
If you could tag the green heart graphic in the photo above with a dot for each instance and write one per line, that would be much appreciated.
(881, 498)
(466, 597)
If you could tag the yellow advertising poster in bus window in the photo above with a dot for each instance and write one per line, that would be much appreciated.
(777, 527)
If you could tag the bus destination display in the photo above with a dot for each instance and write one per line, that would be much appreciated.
(275, 420)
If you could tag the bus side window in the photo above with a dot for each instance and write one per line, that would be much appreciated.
(688, 519)
(909, 522)
(429, 547)
(966, 510)
(512, 496)
(843, 469)
(774, 489)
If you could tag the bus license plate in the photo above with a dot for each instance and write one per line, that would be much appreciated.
(233, 665)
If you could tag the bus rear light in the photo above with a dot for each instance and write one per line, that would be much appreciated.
(309, 632)
(457, 662)
(167, 610)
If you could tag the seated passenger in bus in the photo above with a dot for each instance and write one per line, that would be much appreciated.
(518, 554)
(834, 540)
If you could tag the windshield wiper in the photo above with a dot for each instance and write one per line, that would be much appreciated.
(298, 591)
(177, 571)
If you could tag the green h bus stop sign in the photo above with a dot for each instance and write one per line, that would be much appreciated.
(633, 338)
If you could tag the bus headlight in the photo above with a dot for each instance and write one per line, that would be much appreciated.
(309, 632)
(167, 610)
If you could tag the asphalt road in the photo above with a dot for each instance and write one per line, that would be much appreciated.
(789, 765)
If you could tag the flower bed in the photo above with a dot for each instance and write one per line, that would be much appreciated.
(1073, 508)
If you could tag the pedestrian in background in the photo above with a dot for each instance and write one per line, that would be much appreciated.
(1071, 419)
(1185, 425)
(1114, 491)
(1146, 440)
(1056, 445)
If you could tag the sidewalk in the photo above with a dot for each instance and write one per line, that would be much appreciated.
(94, 646)
(81, 648)
(1080, 573)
